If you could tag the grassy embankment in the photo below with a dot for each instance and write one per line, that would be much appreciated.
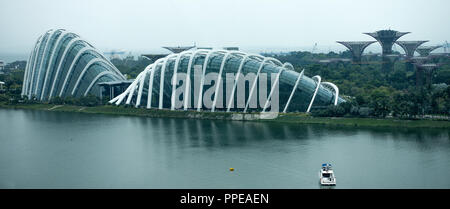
(297, 118)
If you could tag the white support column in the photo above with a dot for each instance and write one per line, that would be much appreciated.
(115, 99)
(266, 59)
(118, 99)
(133, 87)
(25, 77)
(86, 67)
(188, 77)
(152, 74)
(332, 86)
(293, 91)
(219, 77)
(98, 77)
(205, 65)
(24, 85)
(28, 68)
(26, 80)
(122, 96)
(131, 92)
(236, 79)
(174, 80)
(150, 86)
(39, 72)
(36, 56)
(315, 92)
(141, 85)
(161, 83)
(72, 65)
(61, 61)
(288, 66)
(272, 89)
(50, 62)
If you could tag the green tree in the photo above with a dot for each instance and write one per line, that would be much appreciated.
(380, 101)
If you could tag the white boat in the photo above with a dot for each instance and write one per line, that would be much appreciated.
(326, 175)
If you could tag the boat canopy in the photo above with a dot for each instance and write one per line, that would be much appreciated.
(326, 165)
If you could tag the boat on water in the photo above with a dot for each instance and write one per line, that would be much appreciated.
(326, 175)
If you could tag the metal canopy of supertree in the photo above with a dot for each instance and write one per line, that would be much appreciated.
(356, 47)
(420, 60)
(426, 50)
(410, 46)
(429, 69)
(387, 38)
(178, 49)
(154, 57)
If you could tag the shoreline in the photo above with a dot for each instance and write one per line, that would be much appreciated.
(291, 118)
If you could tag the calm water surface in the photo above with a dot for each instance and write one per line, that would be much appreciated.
(41, 149)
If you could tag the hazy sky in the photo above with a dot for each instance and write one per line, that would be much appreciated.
(138, 25)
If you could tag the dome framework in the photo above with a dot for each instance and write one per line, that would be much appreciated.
(63, 64)
(157, 85)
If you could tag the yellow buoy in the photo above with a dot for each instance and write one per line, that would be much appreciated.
(231, 169)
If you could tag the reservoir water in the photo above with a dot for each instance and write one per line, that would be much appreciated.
(40, 149)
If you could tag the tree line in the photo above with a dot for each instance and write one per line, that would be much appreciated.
(369, 89)
(373, 91)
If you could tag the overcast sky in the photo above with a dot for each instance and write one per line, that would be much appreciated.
(145, 25)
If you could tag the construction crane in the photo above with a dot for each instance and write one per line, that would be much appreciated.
(314, 48)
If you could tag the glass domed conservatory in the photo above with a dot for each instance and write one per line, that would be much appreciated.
(62, 64)
(221, 80)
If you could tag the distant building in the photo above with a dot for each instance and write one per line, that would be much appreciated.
(209, 48)
(231, 48)
(2, 65)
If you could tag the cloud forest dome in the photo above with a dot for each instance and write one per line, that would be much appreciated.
(206, 74)
(63, 64)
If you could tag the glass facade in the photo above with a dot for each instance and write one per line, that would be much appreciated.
(62, 64)
(209, 62)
